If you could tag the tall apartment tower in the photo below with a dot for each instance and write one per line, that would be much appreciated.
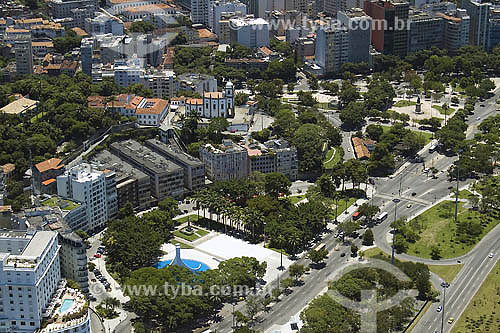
(29, 276)
(95, 188)
(24, 56)
(86, 50)
(332, 49)
(256, 7)
(479, 20)
(200, 11)
(393, 37)
(359, 26)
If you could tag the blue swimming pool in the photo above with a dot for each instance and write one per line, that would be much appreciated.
(194, 265)
(66, 305)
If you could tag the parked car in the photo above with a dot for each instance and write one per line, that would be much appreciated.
(451, 320)
(439, 309)
(97, 255)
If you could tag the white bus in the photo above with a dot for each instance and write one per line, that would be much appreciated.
(320, 247)
(381, 217)
(433, 147)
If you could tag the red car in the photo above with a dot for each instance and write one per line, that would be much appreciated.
(97, 255)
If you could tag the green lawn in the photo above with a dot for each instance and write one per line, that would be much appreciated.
(188, 237)
(449, 111)
(437, 228)
(342, 206)
(202, 232)
(183, 245)
(482, 313)
(62, 203)
(464, 194)
(296, 198)
(446, 272)
(426, 135)
(403, 103)
(192, 218)
(333, 157)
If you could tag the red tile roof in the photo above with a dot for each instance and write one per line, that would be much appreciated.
(51, 164)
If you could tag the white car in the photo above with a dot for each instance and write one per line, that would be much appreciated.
(491, 255)
(478, 118)
(439, 309)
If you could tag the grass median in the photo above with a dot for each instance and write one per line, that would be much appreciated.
(437, 228)
(482, 313)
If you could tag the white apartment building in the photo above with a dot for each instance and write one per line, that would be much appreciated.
(163, 83)
(218, 7)
(94, 188)
(332, 49)
(224, 162)
(104, 24)
(127, 74)
(214, 104)
(29, 276)
(62, 9)
(249, 31)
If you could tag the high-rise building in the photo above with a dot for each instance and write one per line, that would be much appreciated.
(479, 19)
(257, 8)
(24, 56)
(31, 287)
(274, 156)
(455, 30)
(200, 11)
(391, 36)
(493, 30)
(359, 27)
(331, 7)
(250, 32)
(96, 189)
(225, 161)
(426, 31)
(86, 52)
(162, 83)
(218, 7)
(332, 49)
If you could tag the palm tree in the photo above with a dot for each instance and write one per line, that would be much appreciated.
(294, 240)
(281, 243)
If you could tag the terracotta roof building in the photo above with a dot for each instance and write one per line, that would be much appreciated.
(45, 174)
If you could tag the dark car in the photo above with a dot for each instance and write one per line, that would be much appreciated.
(92, 298)
(342, 254)
(413, 194)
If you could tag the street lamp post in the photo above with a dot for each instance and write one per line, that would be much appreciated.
(458, 180)
(394, 229)
(444, 285)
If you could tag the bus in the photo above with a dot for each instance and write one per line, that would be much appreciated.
(381, 217)
(433, 147)
(320, 247)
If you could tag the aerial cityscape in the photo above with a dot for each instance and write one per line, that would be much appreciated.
(271, 166)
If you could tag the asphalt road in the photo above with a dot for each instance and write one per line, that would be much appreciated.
(477, 265)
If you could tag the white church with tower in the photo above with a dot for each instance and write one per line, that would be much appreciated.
(213, 104)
